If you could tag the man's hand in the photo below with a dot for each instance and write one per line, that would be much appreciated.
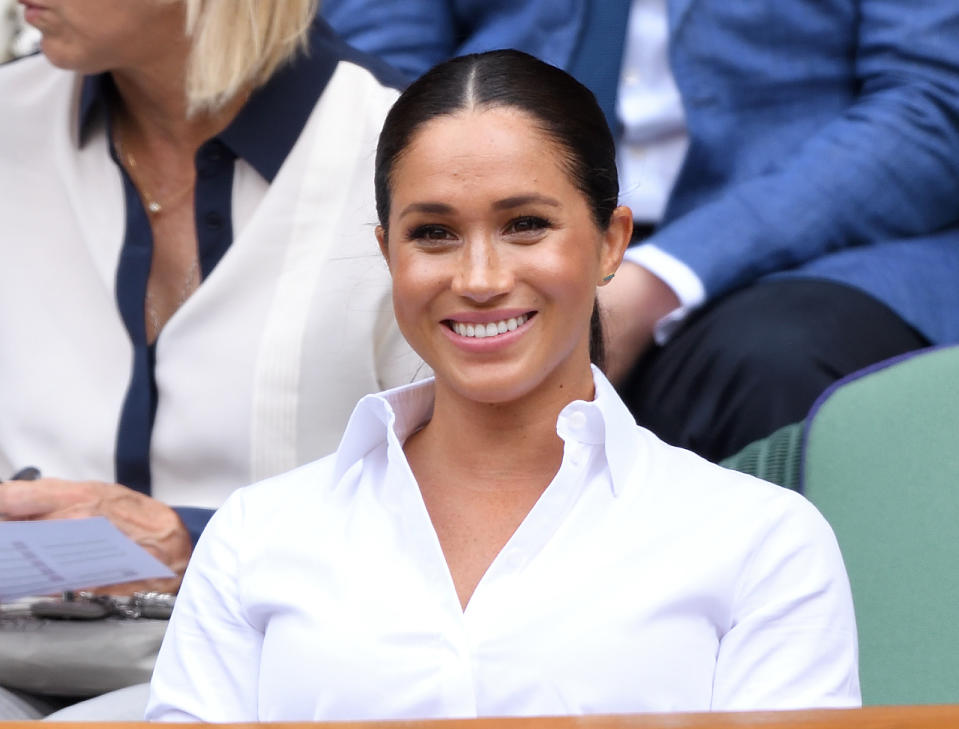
(150, 523)
(630, 306)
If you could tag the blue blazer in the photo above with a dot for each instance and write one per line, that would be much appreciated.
(415, 35)
(584, 37)
(824, 134)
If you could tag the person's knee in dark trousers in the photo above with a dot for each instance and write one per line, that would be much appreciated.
(757, 359)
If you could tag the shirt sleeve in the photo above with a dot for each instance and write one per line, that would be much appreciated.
(415, 35)
(792, 643)
(208, 666)
(410, 36)
(678, 276)
(194, 519)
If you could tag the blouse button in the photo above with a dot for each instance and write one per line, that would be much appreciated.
(214, 221)
(577, 421)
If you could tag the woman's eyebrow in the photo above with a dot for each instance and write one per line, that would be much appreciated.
(515, 201)
(519, 200)
(435, 208)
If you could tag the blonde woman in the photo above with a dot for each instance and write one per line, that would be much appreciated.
(193, 299)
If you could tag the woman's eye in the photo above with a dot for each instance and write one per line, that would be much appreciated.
(527, 224)
(430, 233)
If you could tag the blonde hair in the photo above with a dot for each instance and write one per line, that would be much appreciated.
(238, 44)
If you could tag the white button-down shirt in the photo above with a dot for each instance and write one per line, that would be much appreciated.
(644, 579)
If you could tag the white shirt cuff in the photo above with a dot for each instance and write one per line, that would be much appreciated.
(679, 277)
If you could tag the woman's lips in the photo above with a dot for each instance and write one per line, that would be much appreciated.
(481, 330)
(491, 332)
(32, 11)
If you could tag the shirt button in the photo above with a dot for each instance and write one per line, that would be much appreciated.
(207, 168)
(577, 421)
(213, 220)
(213, 151)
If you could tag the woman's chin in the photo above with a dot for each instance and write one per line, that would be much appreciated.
(488, 385)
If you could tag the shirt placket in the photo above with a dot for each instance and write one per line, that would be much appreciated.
(489, 613)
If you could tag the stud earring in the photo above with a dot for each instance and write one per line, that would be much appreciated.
(607, 279)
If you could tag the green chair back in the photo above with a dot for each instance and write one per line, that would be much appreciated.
(881, 461)
(776, 458)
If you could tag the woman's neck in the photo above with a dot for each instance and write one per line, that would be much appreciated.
(152, 111)
(156, 143)
(498, 445)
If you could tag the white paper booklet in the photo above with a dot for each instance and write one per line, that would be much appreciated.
(45, 557)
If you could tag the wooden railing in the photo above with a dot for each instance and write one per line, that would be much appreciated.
(884, 717)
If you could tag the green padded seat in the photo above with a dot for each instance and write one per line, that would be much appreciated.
(881, 461)
(776, 458)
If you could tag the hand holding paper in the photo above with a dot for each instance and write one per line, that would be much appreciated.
(153, 525)
(44, 557)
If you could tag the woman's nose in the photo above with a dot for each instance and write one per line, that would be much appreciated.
(481, 273)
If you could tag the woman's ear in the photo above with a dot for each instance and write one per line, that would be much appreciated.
(616, 239)
(384, 247)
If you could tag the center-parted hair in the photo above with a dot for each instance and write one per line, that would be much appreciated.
(565, 111)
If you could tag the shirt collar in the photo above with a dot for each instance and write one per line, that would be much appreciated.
(282, 105)
(619, 432)
(399, 411)
(395, 414)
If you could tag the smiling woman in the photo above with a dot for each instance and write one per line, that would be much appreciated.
(488, 232)
(503, 539)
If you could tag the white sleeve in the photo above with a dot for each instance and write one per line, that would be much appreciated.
(208, 666)
(792, 642)
(678, 276)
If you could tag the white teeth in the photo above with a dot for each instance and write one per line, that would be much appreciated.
(481, 331)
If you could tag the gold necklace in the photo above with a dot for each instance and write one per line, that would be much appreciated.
(153, 206)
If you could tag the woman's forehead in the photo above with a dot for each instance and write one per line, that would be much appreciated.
(477, 161)
(479, 137)
(480, 119)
